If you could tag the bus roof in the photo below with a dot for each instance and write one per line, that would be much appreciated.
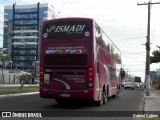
(69, 18)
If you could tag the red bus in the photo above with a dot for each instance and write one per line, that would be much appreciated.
(78, 61)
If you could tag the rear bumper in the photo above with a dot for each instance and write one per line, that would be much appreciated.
(87, 94)
(129, 87)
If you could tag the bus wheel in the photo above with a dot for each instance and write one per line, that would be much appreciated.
(100, 102)
(105, 97)
(116, 95)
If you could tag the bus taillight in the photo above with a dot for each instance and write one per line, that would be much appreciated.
(90, 68)
(90, 78)
(41, 68)
(90, 73)
(41, 73)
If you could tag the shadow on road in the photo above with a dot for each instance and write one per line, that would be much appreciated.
(75, 105)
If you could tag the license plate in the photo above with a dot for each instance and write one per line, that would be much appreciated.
(46, 77)
(65, 95)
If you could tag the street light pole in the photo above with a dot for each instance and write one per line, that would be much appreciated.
(147, 78)
(148, 55)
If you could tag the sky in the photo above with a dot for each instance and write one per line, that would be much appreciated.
(122, 20)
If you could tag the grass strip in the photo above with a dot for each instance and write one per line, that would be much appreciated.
(156, 118)
(16, 90)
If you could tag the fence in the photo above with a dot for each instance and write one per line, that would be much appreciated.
(9, 77)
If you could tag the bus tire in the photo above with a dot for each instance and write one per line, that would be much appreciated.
(100, 102)
(116, 95)
(105, 97)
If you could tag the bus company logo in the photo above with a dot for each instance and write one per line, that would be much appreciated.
(45, 35)
(87, 33)
(6, 114)
(66, 28)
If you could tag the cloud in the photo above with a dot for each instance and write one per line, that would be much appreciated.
(120, 19)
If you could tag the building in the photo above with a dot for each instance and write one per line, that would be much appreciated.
(155, 75)
(22, 30)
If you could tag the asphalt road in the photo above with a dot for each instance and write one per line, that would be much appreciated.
(128, 100)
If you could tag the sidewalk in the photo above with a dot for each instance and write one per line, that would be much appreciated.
(152, 102)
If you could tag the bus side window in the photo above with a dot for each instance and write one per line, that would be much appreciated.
(98, 32)
(113, 74)
(98, 66)
(109, 71)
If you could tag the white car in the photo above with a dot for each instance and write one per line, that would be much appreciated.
(129, 85)
(137, 84)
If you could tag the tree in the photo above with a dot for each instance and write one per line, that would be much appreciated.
(156, 56)
(3, 59)
(24, 78)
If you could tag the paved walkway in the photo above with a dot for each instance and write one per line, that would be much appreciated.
(152, 102)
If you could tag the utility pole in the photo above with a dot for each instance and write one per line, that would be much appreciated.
(147, 74)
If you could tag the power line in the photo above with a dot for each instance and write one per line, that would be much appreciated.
(59, 12)
(132, 47)
(131, 38)
(34, 1)
(136, 64)
(122, 52)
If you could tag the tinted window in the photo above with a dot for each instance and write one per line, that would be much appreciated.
(137, 79)
(66, 30)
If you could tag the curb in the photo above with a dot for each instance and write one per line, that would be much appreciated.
(20, 94)
(142, 105)
(16, 85)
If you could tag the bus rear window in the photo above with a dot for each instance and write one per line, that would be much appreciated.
(66, 30)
